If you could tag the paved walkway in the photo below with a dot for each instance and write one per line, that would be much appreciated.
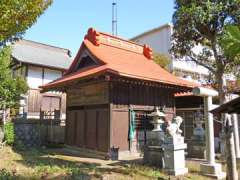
(86, 157)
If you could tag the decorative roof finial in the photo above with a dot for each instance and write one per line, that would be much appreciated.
(147, 51)
(93, 36)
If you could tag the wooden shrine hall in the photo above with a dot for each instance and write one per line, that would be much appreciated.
(111, 81)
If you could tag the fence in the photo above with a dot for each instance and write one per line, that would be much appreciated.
(36, 132)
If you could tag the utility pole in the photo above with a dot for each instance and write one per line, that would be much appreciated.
(114, 18)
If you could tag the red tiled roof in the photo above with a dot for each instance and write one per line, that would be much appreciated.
(121, 57)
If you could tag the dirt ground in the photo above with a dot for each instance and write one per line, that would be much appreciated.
(61, 164)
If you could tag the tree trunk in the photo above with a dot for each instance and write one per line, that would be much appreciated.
(221, 87)
(230, 151)
(227, 126)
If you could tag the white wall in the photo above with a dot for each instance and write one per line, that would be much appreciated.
(160, 42)
(50, 75)
(35, 76)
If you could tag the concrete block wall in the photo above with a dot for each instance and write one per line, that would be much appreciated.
(36, 133)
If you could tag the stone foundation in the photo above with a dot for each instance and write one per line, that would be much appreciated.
(213, 170)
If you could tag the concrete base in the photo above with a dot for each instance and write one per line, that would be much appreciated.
(177, 172)
(238, 163)
(212, 170)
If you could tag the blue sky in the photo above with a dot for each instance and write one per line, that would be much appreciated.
(65, 23)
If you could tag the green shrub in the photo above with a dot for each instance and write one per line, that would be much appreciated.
(9, 133)
(5, 175)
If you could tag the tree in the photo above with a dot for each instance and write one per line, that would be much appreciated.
(18, 15)
(201, 24)
(161, 59)
(230, 42)
(10, 88)
(198, 32)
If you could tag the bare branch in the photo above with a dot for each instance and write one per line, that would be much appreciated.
(202, 64)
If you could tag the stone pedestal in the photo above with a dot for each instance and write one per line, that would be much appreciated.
(155, 138)
(174, 156)
(153, 152)
(196, 149)
(213, 170)
(153, 155)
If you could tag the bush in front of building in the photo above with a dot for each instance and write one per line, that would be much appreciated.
(9, 134)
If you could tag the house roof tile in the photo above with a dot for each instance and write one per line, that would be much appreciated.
(121, 57)
(31, 52)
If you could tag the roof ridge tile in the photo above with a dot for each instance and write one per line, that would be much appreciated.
(98, 38)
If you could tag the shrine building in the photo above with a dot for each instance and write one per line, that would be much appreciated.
(111, 86)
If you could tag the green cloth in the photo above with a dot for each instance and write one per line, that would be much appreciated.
(132, 130)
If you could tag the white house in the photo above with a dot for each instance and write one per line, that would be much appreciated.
(160, 40)
(39, 64)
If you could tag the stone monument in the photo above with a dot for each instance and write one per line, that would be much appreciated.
(153, 152)
(173, 147)
(197, 146)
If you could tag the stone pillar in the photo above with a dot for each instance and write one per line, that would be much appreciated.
(209, 130)
(236, 137)
(210, 168)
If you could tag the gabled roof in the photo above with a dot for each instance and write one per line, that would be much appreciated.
(121, 57)
(31, 52)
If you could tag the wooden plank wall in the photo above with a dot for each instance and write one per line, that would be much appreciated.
(88, 127)
(120, 127)
(137, 96)
(124, 96)
(35, 100)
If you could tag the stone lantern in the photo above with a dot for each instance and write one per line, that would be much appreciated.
(153, 152)
(158, 119)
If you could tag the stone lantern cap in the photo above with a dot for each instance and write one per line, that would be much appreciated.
(157, 113)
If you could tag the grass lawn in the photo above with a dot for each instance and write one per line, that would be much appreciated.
(54, 164)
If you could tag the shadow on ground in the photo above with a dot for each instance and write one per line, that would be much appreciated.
(45, 163)
(51, 163)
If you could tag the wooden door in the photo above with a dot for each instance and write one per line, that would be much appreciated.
(50, 103)
(80, 128)
(91, 129)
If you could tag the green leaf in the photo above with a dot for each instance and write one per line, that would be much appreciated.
(16, 16)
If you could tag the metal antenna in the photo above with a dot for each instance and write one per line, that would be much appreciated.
(114, 18)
